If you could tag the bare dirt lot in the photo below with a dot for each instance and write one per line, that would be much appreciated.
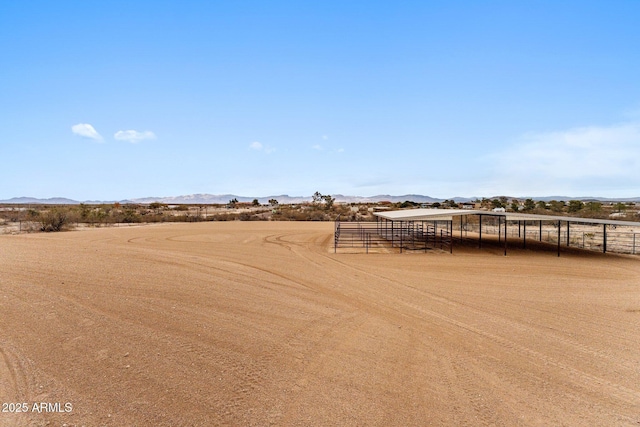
(259, 323)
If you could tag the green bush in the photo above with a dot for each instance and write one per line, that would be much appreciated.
(56, 219)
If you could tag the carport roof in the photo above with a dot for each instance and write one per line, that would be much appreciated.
(424, 214)
(448, 214)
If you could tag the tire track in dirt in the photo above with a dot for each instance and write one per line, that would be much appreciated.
(249, 375)
(586, 381)
(481, 410)
(16, 386)
(563, 343)
(315, 345)
(484, 369)
(188, 259)
(607, 387)
(10, 389)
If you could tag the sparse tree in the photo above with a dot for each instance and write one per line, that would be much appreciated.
(255, 202)
(497, 203)
(273, 202)
(233, 202)
(325, 199)
(328, 200)
(529, 205)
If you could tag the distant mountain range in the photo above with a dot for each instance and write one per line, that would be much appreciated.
(205, 199)
(33, 200)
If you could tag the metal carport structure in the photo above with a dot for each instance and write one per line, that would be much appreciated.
(404, 219)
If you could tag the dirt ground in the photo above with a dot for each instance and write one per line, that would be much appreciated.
(259, 323)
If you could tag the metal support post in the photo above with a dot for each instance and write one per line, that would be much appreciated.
(558, 238)
(392, 233)
(541, 230)
(505, 236)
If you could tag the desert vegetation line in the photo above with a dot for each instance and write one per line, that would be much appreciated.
(322, 207)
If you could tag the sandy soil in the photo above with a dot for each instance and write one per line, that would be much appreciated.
(244, 323)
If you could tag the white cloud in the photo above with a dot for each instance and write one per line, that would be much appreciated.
(257, 146)
(133, 136)
(325, 137)
(85, 130)
(317, 147)
(585, 160)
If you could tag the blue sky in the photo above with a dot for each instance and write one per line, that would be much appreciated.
(124, 99)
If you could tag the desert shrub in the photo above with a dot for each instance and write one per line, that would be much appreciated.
(55, 219)
(594, 206)
(84, 211)
(130, 216)
(575, 206)
(223, 217)
(557, 206)
(97, 215)
(408, 204)
(541, 205)
(245, 216)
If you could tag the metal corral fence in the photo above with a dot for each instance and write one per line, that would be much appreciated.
(582, 236)
(19, 227)
(392, 235)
